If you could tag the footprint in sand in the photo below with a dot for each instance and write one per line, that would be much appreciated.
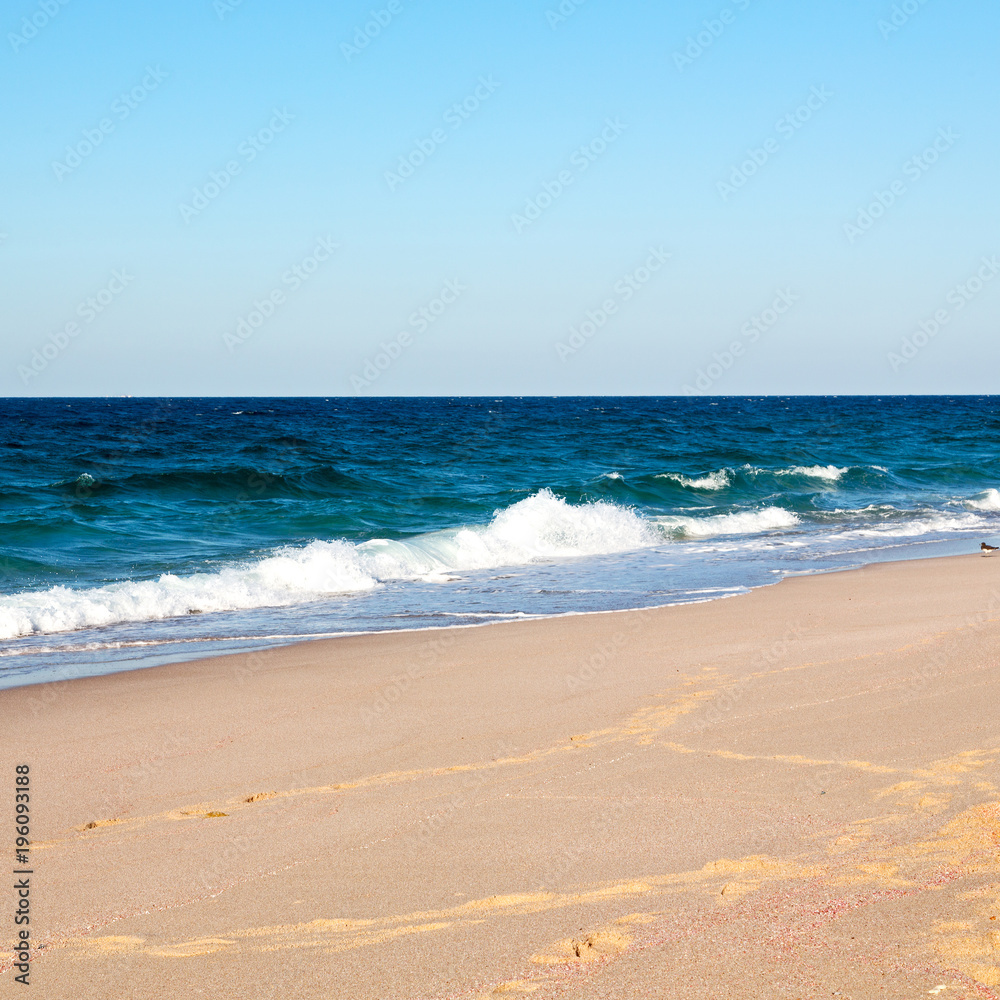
(260, 796)
(603, 943)
(95, 824)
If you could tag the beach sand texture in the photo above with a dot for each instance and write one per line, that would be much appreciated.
(788, 794)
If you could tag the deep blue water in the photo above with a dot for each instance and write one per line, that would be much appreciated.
(134, 531)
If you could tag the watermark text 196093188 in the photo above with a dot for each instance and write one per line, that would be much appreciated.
(22, 873)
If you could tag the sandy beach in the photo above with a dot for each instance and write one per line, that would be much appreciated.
(787, 794)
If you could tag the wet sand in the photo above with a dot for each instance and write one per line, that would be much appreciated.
(788, 794)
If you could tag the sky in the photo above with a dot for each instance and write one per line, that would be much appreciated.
(526, 197)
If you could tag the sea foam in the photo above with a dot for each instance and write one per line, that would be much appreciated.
(831, 473)
(987, 500)
(748, 522)
(539, 528)
(927, 523)
(710, 481)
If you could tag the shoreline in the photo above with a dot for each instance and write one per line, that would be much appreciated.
(514, 618)
(595, 802)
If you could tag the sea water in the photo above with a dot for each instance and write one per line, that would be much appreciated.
(142, 531)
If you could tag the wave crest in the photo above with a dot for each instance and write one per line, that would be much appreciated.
(750, 522)
(540, 527)
(831, 473)
(722, 478)
(710, 481)
(987, 500)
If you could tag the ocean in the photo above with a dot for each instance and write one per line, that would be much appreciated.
(142, 531)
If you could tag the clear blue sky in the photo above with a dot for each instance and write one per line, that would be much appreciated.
(332, 121)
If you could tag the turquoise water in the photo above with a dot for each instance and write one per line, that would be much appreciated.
(135, 531)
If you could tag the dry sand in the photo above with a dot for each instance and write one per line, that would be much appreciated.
(789, 794)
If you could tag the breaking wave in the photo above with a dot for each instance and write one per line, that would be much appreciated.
(831, 473)
(712, 481)
(740, 523)
(539, 528)
(987, 500)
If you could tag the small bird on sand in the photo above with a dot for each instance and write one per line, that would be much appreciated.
(987, 549)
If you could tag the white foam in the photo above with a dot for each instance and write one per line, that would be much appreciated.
(987, 500)
(927, 524)
(541, 527)
(831, 473)
(710, 481)
(749, 522)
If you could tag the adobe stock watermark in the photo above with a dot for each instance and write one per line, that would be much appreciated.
(399, 686)
(225, 7)
(624, 289)
(122, 450)
(470, 782)
(940, 662)
(47, 9)
(256, 485)
(958, 298)
(88, 311)
(248, 150)
(293, 279)
(728, 698)
(377, 22)
(121, 107)
(899, 17)
(596, 663)
(580, 161)
(455, 117)
(421, 321)
(787, 126)
(561, 14)
(751, 331)
(914, 168)
(697, 45)
(589, 842)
